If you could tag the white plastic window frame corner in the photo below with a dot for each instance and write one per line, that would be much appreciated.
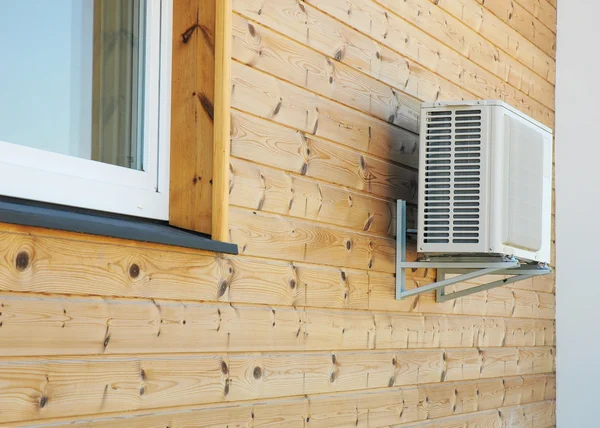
(44, 176)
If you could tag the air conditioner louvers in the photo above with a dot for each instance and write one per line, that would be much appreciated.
(485, 181)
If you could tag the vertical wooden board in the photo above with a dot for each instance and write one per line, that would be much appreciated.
(222, 129)
(268, 189)
(192, 100)
(261, 48)
(265, 142)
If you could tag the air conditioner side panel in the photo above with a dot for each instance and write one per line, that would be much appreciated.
(521, 187)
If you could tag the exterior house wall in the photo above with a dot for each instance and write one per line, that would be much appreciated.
(302, 328)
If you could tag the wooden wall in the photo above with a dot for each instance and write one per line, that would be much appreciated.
(302, 328)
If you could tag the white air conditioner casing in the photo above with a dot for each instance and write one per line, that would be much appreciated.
(485, 181)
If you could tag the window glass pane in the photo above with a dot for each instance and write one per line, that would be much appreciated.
(71, 79)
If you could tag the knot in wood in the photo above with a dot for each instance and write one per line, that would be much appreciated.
(257, 372)
(134, 270)
(22, 261)
(223, 287)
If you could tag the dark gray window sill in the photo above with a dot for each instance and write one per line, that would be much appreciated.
(28, 213)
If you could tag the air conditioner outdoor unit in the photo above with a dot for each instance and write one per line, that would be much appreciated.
(485, 181)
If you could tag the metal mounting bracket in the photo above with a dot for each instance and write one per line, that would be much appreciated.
(467, 268)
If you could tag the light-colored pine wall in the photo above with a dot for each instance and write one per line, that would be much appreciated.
(301, 329)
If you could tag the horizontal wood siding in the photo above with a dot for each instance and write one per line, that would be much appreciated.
(301, 329)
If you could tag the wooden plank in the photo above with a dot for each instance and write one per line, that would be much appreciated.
(542, 10)
(543, 283)
(500, 301)
(38, 325)
(263, 235)
(539, 415)
(220, 196)
(192, 99)
(38, 388)
(64, 263)
(315, 29)
(265, 142)
(338, 41)
(500, 34)
(518, 18)
(261, 48)
(265, 96)
(388, 27)
(439, 40)
(272, 190)
(84, 266)
(379, 407)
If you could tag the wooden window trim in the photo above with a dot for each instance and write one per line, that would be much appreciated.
(200, 116)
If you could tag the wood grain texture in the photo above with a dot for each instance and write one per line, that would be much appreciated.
(518, 18)
(272, 190)
(59, 387)
(261, 48)
(222, 128)
(85, 267)
(264, 235)
(38, 325)
(344, 44)
(265, 142)
(192, 112)
(500, 301)
(308, 22)
(501, 35)
(538, 415)
(387, 26)
(453, 33)
(542, 10)
(265, 96)
(302, 329)
(369, 409)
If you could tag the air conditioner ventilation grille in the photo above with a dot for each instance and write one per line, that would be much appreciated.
(452, 177)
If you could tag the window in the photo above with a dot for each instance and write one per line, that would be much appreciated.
(84, 103)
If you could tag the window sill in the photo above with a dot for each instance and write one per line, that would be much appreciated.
(27, 213)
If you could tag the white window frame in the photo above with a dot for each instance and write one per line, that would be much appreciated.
(40, 175)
